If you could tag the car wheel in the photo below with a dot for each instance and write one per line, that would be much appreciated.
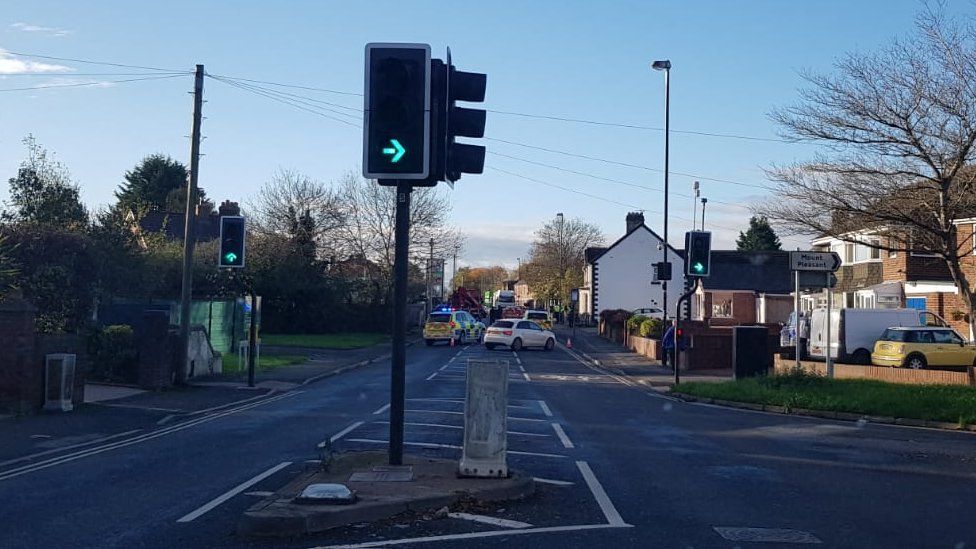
(490, 346)
(915, 362)
(429, 342)
(517, 344)
(550, 343)
(462, 339)
(861, 356)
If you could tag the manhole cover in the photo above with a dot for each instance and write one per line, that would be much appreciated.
(774, 535)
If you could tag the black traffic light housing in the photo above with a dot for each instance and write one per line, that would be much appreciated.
(698, 253)
(232, 237)
(396, 118)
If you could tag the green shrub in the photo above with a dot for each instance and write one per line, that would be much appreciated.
(634, 324)
(652, 328)
(113, 353)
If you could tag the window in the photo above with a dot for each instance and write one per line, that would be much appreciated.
(894, 335)
(722, 308)
(945, 336)
(875, 253)
(439, 317)
(919, 337)
(525, 325)
(502, 324)
(848, 253)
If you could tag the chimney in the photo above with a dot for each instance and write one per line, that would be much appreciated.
(229, 208)
(634, 220)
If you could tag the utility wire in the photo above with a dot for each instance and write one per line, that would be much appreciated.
(82, 84)
(88, 61)
(301, 99)
(295, 86)
(597, 197)
(611, 180)
(628, 165)
(64, 74)
(288, 102)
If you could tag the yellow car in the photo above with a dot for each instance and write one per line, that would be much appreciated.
(451, 324)
(539, 317)
(921, 346)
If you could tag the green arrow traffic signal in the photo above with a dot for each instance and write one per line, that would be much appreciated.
(698, 267)
(230, 257)
(395, 152)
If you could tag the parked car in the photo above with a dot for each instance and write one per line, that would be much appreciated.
(650, 312)
(446, 324)
(853, 332)
(518, 334)
(921, 347)
(539, 317)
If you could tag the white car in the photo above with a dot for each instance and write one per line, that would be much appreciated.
(517, 334)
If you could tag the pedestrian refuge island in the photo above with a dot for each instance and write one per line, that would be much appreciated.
(485, 420)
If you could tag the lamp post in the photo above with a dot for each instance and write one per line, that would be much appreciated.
(559, 252)
(665, 65)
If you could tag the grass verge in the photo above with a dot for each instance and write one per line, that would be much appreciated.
(352, 340)
(947, 403)
(231, 364)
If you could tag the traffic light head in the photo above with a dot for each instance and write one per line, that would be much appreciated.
(231, 242)
(396, 130)
(464, 122)
(698, 253)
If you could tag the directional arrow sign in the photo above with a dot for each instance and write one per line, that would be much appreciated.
(814, 261)
(395, 152)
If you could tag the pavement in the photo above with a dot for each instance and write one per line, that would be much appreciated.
(616, 464)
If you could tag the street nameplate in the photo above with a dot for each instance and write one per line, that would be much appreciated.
(814, 261)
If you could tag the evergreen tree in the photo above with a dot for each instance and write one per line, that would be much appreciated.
(760, 237)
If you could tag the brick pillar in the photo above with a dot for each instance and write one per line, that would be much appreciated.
(21, 377)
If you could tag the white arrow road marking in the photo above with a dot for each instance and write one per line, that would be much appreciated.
(209, 506)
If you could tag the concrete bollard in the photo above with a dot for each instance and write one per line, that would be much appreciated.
(485, 420)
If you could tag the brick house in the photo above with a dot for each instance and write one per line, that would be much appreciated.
(745, 288)
(870, 278)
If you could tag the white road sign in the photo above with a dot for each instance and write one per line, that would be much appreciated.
(814, 261)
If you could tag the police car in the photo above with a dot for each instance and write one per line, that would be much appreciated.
(446, 324)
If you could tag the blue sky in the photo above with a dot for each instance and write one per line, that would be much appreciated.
(732, 63)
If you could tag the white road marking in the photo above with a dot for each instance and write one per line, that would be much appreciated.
(450, 447)
(432, 376)
(545, 408)
(135, 440)
(504, 523)
(259, 493)
(382, 409)
(63, 448)
(518, 360)
(562, 435)
(515, 354)
(451, 412)
(232, 492)
(552, 481)
(527, 378)
(345, 431)
(444, 367)
(435, 399)
(609, 511)
(619, 379)
(473, 535)
(441, 425)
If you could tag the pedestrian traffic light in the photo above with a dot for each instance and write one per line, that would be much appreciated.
(396, 120)
(231, 242)
(698, 253)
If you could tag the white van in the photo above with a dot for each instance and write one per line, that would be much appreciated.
(853, 332)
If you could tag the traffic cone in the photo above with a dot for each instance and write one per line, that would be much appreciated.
(569, 343)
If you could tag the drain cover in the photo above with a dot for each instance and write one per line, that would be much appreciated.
(326, 493)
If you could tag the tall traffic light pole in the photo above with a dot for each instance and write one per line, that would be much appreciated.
(190, 229)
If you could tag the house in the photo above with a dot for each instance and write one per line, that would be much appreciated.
(619, 276)
(869, 277)
(745, 288)
(173, 224)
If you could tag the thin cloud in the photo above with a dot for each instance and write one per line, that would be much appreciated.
(10, 64)
(52, 31)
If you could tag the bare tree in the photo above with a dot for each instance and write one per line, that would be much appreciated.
(898, 128)
(556, 258)
(369, 211)
(291, 198)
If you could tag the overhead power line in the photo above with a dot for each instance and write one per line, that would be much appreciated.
(83, 84)
(295, 86)
(73, 74)
(87, 61)
(628, 165)
(290, 102)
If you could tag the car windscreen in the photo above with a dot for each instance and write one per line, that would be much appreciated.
(537, 316)
(444, 317)
(506, 299)
(894, 335)
(502, 324)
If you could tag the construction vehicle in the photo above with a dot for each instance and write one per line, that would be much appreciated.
(468, 299)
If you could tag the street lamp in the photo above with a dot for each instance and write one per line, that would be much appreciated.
(665, 65)
(559, 251)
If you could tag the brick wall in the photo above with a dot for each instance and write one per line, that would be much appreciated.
(744, 308)
(894, 268)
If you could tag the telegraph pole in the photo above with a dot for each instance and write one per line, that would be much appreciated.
(190, 229)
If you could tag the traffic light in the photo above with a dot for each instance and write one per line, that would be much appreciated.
(396, 121)
(231, 242)
(698, 253)
(449, 158)
(662, 271)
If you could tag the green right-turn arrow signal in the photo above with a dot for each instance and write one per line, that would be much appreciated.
(396, 151)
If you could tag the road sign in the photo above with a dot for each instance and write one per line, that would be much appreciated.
(813, 280)
(814, 261)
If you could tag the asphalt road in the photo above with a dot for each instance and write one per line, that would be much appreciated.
(621, 465)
